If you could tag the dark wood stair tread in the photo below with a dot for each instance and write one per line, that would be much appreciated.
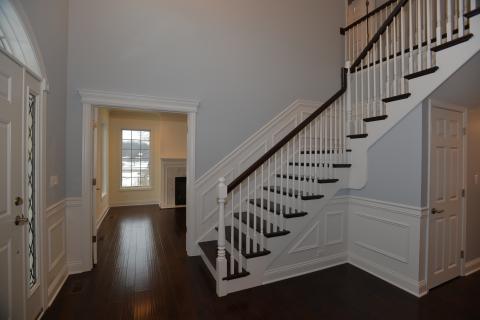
(452, 43)
(255, 251)
(357, 136)
(421, 73)
(397, 97)
(293, 193)
(472, 13)
(209, 248)
(308, 164)
(268, 232)
(321, 151)
(279, 210)
(376, 118)
(303, 178)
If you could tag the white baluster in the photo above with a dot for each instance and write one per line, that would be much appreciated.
(419, 35)
(254, 211)
(395, 52)
(232, 223)
(387, 83)
(275, 195)
(439, 23)
(449, 20)
(429, 33)
(240, 258)
(262, 224)
(461, 21)
(410, 36)
(267, 206)
(221, 260)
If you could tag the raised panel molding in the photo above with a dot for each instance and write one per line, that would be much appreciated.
(375, 248)
(303, 245)
(54, 260)
(330, 239)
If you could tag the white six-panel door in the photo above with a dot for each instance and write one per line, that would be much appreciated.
(446, 183)
(12, 249)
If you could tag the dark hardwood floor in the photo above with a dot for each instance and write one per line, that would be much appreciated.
(143, 273)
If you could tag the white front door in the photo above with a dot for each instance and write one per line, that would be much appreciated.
(12, 248)
(446, 184)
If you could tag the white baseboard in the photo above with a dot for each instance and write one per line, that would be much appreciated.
(75, 267)
(102, 217)
(472, 266)
(411, 286)
(298, 269)
(134, 203)
(57, 285)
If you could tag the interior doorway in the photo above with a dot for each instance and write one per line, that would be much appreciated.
(139, 164)
(85, 223)
(446, 193)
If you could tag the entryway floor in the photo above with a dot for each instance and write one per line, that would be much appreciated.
(143, 272)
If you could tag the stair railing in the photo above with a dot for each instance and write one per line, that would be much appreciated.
(401, 49)
(273, 187)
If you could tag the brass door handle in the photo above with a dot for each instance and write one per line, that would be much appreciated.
(435, 211)
(21, 220)
(18, 201)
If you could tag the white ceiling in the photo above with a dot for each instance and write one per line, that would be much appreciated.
(463, 87)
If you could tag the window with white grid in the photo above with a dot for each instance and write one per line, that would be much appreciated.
(135, 158)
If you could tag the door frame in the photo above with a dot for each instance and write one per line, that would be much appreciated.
(40, 185)
(114, 100)
(464, 111)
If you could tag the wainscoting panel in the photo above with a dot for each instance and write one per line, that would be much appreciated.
(323, 244)
(56, 254)
(385, 240)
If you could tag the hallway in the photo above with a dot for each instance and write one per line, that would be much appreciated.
(143, 273)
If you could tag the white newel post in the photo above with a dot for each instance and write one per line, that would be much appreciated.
(221, 260)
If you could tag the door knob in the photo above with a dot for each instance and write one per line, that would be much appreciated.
(21, 220)
(18, 201)
(435, 211)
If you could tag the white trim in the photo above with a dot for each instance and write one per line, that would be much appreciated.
(463, 215)
(53, 263)
(416, 212)
(417, 288)
(137, 102)
(305, 267)
(93, 98)
(55, 208)
(134, 203)
(102, 217)
(56, 285)
(472, 266)
(165, 164)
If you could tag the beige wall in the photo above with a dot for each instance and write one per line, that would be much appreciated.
(473, 190)
(168, 140)
(102, 192)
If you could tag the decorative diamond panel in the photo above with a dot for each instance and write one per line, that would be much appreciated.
(31, 205)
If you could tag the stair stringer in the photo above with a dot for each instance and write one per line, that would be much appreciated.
(263, 269)
(448, 61)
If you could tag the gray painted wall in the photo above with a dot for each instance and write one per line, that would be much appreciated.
(244, 60)
(395, 164)
(49, 20)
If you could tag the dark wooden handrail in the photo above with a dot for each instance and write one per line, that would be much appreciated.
(290, 135)
(377, 35)
(365, 17)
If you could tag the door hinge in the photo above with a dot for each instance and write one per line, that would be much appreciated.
(94, 124)
(463, 193)
(462, 254)
(94, 182)
(464, 131)
(94, 239)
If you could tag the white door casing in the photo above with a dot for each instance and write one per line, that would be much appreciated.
(12, 249)
(446, 202)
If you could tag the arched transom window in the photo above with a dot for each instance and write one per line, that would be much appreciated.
(14, 39)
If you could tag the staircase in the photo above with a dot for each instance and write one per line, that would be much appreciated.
(416, 45)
